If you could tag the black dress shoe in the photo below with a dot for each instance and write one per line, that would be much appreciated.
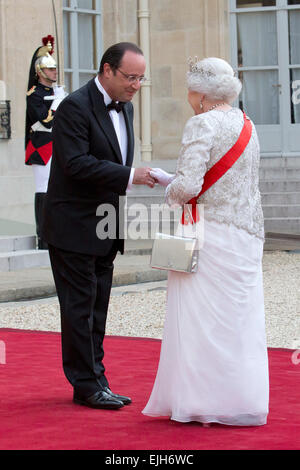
(101, 400)
(124, 400)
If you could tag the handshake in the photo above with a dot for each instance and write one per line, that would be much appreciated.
(151, 176)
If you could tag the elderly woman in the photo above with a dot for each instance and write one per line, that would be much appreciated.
(213, 365)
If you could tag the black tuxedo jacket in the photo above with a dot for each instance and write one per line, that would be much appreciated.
(86, 171)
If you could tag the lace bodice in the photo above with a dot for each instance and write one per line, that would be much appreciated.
(234, 198)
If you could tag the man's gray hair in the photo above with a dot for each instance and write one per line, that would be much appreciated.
(214, 78)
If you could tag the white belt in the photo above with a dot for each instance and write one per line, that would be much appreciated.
(38, 126)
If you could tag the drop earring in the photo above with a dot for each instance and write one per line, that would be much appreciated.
(201, 105)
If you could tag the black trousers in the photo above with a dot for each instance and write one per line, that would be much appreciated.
(83, 284)
(39, 200)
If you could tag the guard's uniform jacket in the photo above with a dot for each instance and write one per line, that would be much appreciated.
(39, 121)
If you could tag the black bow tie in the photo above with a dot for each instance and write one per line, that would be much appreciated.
(117, 106)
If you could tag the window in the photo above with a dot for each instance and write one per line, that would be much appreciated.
(294, 60)
(255, 3)
(265, 45)
(82, 41)
(258, 65)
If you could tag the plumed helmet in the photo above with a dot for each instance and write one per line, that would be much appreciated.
(44, 55)
(42, 58)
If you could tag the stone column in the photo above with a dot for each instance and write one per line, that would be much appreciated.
(144, 30)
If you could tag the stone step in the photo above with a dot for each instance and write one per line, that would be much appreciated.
(274, 186)
(279, 173)
(282, 241)
(142, 194)
(140, 189)
(15, 243)
(280, 198)
(156, 202)
(19, 259)
(282, 225)
(138, 247)
(23, 259)
(281, 210)
(145, 199)
(289, 190)
(280, 162)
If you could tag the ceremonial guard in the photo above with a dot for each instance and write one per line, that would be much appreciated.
(43, 98)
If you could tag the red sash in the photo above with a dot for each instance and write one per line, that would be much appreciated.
(219, 169)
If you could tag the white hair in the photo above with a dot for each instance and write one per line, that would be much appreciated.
(214, 78)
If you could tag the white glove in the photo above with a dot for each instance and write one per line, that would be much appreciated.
(59, 95)
(162, 177)
(59, 92)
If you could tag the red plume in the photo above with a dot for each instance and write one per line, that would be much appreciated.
(47, 39)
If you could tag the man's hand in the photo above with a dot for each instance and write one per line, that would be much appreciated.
(142, 176)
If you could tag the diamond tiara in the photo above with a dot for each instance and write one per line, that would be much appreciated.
(195, 67)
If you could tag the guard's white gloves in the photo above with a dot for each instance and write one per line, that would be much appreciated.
(162, 177)
(59, 95)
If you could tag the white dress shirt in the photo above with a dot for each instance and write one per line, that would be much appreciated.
(119, 126)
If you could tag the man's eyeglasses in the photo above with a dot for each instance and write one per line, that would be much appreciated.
(133, 78)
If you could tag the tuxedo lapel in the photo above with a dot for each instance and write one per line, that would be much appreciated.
(130, 136)
(104, 119)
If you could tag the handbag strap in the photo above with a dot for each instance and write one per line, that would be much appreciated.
(219, 169)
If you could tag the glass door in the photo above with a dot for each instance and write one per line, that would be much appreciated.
(293, 21)
(266, 53)
(82, 41)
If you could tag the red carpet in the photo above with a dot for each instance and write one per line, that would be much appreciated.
(36, 409)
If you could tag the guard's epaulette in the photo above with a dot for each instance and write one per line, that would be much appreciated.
(32, 90)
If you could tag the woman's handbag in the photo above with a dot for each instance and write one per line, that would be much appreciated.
(174, 253)
(178, 253)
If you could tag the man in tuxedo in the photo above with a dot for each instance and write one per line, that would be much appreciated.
(93, 145)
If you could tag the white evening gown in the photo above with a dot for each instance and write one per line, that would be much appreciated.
(213, 364)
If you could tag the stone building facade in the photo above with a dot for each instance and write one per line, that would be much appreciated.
(168, 31)
(175, 29)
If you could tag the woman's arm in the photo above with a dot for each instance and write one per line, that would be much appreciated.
(197, 142)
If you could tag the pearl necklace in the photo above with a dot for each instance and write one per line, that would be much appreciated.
(215, 106)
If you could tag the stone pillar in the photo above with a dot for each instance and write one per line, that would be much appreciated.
(146, 146)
